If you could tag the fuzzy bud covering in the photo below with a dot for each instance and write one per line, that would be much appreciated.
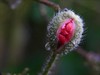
(64, 32)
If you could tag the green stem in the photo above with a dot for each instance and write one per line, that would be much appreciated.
(50, 64)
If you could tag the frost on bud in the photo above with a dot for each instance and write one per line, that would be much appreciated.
(64, 32)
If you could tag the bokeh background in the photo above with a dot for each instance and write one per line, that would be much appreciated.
(23, 36)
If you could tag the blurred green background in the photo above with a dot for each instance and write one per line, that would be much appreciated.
(23, 36)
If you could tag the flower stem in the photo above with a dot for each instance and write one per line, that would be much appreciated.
(55, 6)
(50, 64)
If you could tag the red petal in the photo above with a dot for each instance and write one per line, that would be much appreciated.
(62, 39)
(65, 31)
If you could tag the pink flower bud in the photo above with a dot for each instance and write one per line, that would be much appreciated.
(65, 32)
